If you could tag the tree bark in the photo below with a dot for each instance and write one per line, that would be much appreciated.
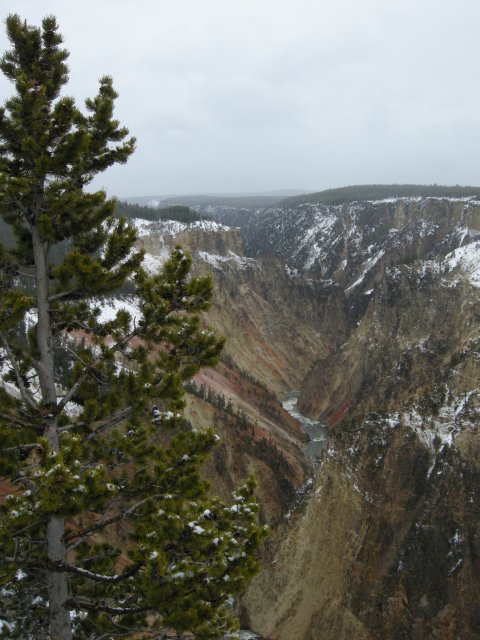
(44, 332)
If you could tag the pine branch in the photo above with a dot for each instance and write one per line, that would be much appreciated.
(75, 387)
(21, 531)
(57, 566)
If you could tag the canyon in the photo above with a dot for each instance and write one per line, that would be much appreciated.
(370, 310)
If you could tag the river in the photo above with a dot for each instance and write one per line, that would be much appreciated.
(317, 432)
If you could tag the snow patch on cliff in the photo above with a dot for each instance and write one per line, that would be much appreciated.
(441, 427)
(217, 261)
(367, 265)
(467, 258)
(172, 227)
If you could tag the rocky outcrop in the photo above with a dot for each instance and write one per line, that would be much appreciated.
(158, 238)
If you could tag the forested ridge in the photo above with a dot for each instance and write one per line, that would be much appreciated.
(381, 191)
(179, 213)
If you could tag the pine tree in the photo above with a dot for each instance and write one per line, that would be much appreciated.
(108, 529)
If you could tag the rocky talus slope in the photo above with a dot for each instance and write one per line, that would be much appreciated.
(371, 310)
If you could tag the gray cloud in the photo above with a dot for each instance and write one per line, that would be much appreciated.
(243, 95)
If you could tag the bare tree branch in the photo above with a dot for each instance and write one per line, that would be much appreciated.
(26, 275)
(97, 577)
(100, 425)
(24, 211)
(21, 386)
(104, 523)
(57, 566)
(88, 370)
(90, 605)
(24, 447)
(20, 423)
(113, 420)
(63, 294)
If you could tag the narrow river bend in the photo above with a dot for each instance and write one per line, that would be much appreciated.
(317, 432)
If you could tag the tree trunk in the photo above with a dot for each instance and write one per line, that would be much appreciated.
(60, 623)
(46, 371)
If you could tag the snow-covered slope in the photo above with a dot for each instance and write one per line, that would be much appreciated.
(348, 243)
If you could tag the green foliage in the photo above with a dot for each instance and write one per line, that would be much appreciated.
(107, 515)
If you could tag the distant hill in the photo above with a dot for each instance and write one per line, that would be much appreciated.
(379, 192)
(240, 201)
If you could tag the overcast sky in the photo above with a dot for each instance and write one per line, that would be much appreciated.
(260, 95)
